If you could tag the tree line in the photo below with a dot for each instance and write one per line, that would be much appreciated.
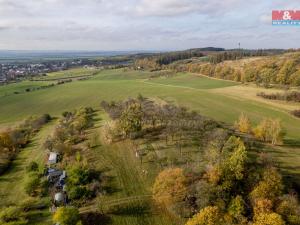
(231, 189)
(264, 72)
(236, 54)
(12, 140)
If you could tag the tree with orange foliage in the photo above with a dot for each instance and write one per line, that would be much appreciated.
(170, 186)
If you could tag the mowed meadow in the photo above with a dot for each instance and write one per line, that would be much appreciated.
(194, 92)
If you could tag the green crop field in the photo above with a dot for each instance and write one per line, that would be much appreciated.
(71, 73)
(20, 87)
(194, 92)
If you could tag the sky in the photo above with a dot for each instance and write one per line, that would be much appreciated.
(111, 25)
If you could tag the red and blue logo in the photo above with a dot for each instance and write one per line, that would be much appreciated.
(286, 17)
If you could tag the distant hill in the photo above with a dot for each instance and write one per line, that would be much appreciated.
(7, 56)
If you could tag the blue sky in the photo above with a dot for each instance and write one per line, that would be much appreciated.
(143, 24)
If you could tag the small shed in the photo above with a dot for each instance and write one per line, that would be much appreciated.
(52, 158)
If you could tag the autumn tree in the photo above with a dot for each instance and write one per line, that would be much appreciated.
(6, 141)
(131, 119)
(170, 186)
(267, 76)
(286, 70)
(269, 130)
(270, 187)
(295, 78)
(236, 155)
(210, 215)
(269, 219)
(236, 209)
(66, 216)
(262, 205)
(227, 165)
(243, 124)
(289, 209)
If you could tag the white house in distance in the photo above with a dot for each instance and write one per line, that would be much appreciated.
(52, 158)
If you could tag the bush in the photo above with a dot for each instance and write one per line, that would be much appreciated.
(293, 96)
(66, 216)
(33, 204)
(79, 176)
(78, 192)
(12, 214)
(33, 166)
(32, 184)
(296, 113)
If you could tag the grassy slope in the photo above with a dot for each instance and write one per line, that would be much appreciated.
(192, 81)
(90, 92)
(20, 87)
(12, 182)
(70, 73)
(125, 180)
(249, 91)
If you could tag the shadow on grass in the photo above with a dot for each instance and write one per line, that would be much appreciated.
(94, 218)
(291, 181)
(292, 143)
(108, 181)
(131, 209)
(108, 185)
(110, 189)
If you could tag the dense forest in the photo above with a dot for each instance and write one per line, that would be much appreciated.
(157, 61)
(264, 67)
(13, 139)
(265, 71)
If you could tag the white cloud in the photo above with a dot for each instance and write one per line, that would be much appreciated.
(266, 19)
(138, 24)
(182, 7)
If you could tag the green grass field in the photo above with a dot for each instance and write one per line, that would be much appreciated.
(12, 182)
(20, 87)
(104, 87)
(125, 182)
(71, 73)
(195, 92)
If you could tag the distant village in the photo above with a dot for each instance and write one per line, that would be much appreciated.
(17, 71)
(11, 72)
